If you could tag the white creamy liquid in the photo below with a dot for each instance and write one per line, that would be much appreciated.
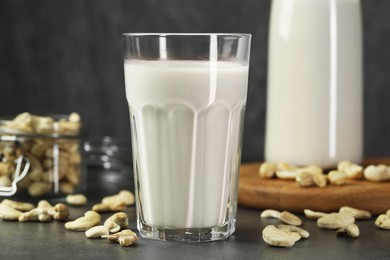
(186, 129)
(314, 103)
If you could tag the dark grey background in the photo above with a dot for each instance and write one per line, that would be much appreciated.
(63, 56)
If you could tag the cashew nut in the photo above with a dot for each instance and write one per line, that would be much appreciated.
(21, 206)
(313, 169)
(37, 214)
(284, 216)
(313, 214)
(337, 177)
(5, 169)
(118, 206)
(124, 238)
(8, 213)
(286, 171)
(336, 220)
(35, 169)
(283, 166)
(310, 176)
(279, 237)
(76, 199)
(383, 221)
(116, 222)
(90, 219)
(5, 181)
(305, 179)
(290, 218)
(357, 213)
(286, 174)
(350, 230)
(96, 232)
(58, 211)
(66, 187)
(352, 170)
(124, 195)
(303, 233)
(320, 180)
(267, 170)
(377, 173)
(37, 189)
(270, 213)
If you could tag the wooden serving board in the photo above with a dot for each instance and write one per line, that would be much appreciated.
(256, 192)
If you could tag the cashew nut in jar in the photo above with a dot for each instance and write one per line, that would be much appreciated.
(54, 161)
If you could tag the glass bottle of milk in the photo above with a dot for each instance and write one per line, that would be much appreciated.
(314, 96)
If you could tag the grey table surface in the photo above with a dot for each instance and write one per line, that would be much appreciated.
(52, 241)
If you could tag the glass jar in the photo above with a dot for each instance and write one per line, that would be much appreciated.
(37, 165)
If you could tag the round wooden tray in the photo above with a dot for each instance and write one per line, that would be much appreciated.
(256, 192)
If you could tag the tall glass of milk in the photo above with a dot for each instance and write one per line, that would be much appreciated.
(187, 96)
(314, 96)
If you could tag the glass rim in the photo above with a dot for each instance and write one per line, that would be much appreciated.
(238, 35)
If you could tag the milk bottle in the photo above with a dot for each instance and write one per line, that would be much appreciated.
(314, 96)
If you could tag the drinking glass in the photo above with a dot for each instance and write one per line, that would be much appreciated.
(187, 96)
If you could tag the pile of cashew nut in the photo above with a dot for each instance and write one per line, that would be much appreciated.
(51, 159)
(115, 228)
(343, 221)
(313, 175)
(26, 212)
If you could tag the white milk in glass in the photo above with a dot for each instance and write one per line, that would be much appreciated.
(314, 103)
(187, 119)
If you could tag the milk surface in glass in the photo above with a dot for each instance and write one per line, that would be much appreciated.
(187, 119)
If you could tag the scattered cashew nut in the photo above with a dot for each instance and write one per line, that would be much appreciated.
(313, 214)
(124, 195)
(303, 233)
(336, 220)
(267, 170)
(286, 171)
(8, 213)
(353, 171)
(96, 232)
(383, 221)
(305, 179)
(377, 173)
(124, 238)
(279, 237)
(337, 177)
(270, 213)
(116, 222)
(284, 216)
(100, 207)
(36, 214)
(286, 174)
(58, 212)
(90, 219)
(311, 175)
(351, 230)
(357, 213)
(18, 205)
